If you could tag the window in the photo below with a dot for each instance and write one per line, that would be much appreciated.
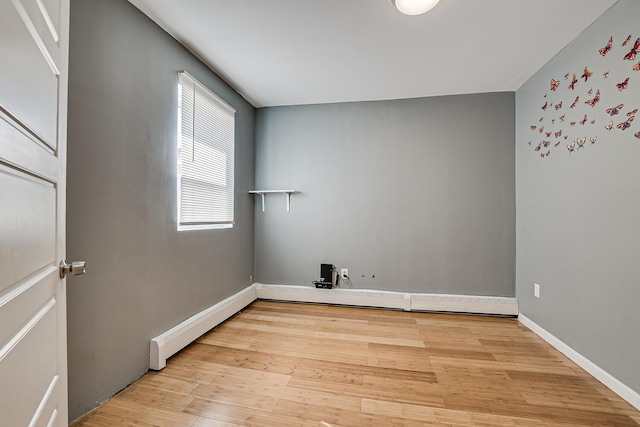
(206, 140)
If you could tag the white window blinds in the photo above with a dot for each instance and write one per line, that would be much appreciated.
(206, 133)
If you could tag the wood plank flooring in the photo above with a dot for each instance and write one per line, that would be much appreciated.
(283, 364)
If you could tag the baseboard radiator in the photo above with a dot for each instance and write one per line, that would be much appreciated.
(175, 339)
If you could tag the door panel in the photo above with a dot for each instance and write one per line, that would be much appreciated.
(33, 116)
(27, 224)
(31, 68)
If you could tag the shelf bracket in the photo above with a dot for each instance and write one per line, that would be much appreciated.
(262, 193)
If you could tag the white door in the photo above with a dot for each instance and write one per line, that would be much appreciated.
(33, 116)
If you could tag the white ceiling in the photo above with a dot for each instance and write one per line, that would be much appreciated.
(291, 52)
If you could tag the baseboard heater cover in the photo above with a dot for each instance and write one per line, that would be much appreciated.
(388, 299)
(175, 339)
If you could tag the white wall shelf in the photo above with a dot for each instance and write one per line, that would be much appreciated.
(263, 192)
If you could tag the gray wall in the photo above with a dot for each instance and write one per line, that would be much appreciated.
(143, 276)
(419, 193)
(578, 222)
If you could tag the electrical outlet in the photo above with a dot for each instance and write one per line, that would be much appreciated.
(344, 272)
(536, 290)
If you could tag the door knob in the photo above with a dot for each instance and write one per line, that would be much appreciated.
(76, 268)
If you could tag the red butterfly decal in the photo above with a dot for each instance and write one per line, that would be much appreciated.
(614, 110)
(632, 113)
(607, 48)
(548, 134)
(627, 40)
(545, 144)
(575, 102)
(595, 100)
(586, 74)
(558, 143)
(636, 67)
(625, 125)
(609, 126)
(634, 51)
(558, 134)
(584, 120)
(637, 135)
(559, 106)
(554, 84)
(544, 107)
(573, 82)
(623, 85)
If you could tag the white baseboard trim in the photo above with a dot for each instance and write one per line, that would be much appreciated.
(597, 372)
(175, 339)
(387, 299)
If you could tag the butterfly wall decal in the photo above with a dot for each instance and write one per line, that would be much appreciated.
(609, 126)
(548, 134)
(607, 48)
(574, 80)
(634, 51)
(572, 124)
(541, 129)
(575, 102)
(593, 139)
(590, 92)
(545, 144)
(593, 121)
(529, 143)
(584, 120)
(558, 134)
(614, 110)
(632, 113)
(626, 42)
(637, 135)
(595, 100)
(562, 118)
(571, 147)
(566, 76)
(538, 147)
(623, 85)
(541, 119)
(627, 124)
(636, 67)
(553, 121)
(558, 143)
(554, 84)
(534, 127)
(581, 142)
(558, 106)
(586, 74)
(605, 74)
(544, 107)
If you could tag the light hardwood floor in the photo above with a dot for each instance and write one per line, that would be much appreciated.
(283, 364)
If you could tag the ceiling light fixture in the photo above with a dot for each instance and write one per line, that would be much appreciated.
(414, 7)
